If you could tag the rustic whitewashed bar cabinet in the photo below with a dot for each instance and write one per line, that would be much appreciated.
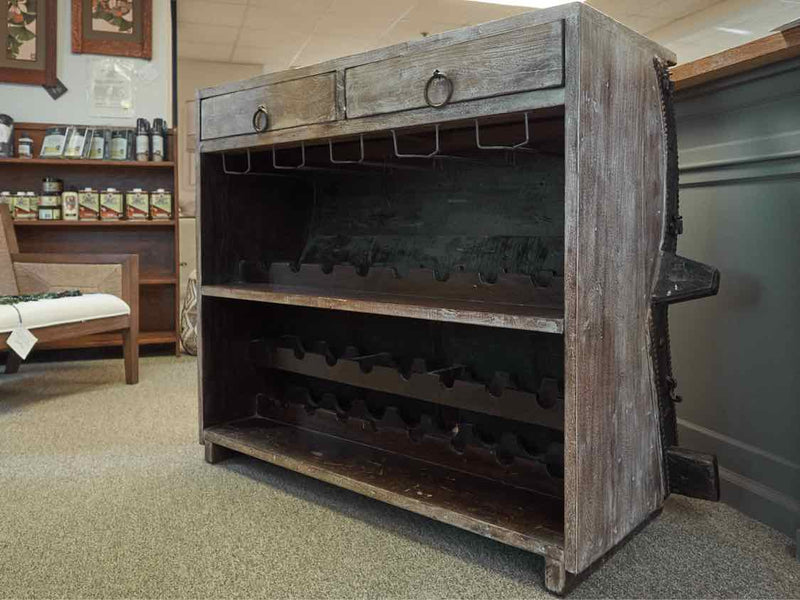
(438, 274)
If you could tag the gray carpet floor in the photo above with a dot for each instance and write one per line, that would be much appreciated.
(104, 494)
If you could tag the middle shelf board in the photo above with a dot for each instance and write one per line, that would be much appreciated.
(488, 314)
(509, 514)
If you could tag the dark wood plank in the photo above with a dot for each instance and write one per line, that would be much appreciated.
(514, 516)
(693, 474)
(509, 403)
(529, 318)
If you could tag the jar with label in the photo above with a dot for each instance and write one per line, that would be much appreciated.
(25, 146)
(69, 206)
(49, 200)
(111, 205)
(160, 204)
(158, 142)
(137, 204)
(88, 205)
(49, 213)
(52, 185)
(119, 145)
(142, 140)
(25, 206)
(97, 148)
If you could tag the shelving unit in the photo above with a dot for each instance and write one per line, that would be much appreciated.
(458, 309)
(156, 241)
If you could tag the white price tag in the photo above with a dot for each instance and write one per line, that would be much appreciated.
(21, 341)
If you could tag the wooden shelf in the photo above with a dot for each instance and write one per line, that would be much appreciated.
(86, 162)
(124, 223)
(489, 314)
(146, 338)
(158, 280)
(519, 517)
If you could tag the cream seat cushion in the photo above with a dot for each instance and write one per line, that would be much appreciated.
(60, 311)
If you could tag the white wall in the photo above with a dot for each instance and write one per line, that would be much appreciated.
(152, 99)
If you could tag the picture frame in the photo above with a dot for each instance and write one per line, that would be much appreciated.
(113, 27)
(30, 30)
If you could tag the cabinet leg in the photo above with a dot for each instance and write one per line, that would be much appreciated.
(12, 362)
(216, 453)
(556, 578)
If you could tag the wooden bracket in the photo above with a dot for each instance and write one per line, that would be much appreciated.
(682, 279)
(693, 474)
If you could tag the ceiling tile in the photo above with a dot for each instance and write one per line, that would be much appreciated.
(284, 39)
(204, 51)
(463, 12)
(407, 30)
(210, 13)
(261, 56)
(213, 34)
(267, 19)
(325, 47)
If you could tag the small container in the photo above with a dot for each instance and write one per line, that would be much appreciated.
(52, 185)
(25, 146)
(49, 200)
(69, 206)
(158, 141)
(49, 213)
(97, 148)
(88, 205)
(25, 206)
(111, 205)
(160, 204)
(119, 145)
(142, 140)
(8, 200)
(137, 204)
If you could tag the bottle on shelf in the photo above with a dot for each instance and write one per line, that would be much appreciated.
(158, 140)
(143, 140)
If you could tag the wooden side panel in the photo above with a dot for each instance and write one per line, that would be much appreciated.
(289, 104)
(616, 161)
(518, 61)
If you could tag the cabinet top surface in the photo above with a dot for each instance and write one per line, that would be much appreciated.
(571, 11)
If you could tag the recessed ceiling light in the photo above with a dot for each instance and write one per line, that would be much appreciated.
(528, 3)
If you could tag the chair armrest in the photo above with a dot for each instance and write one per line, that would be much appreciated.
(129, 278)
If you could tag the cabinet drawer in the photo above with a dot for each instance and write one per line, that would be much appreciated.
(521, 60)
(288, 104)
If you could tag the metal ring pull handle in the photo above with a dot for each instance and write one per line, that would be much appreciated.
(260, 124)
(438, 75)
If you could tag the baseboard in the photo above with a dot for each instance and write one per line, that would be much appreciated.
(762, 485)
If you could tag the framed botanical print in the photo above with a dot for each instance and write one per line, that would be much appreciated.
(28, 53)
(113, 27)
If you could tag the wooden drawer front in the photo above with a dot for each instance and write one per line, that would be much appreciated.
(517, 61)
(289, 104)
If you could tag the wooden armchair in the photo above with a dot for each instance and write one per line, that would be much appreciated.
(103, 278)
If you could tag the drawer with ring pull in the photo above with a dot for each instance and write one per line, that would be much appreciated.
(520, 60)
(265, 108)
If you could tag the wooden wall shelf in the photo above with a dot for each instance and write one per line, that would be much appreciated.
(156, 241)
(76, 162)
(143, 223)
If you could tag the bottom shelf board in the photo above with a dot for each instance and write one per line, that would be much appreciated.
(514, 516)
(99, 340)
